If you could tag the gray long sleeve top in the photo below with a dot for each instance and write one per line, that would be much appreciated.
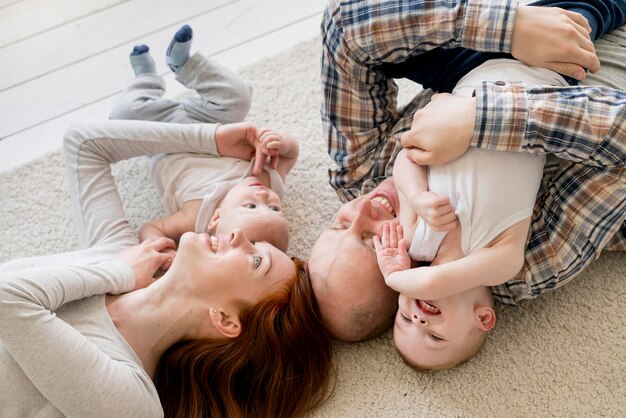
(61, 354)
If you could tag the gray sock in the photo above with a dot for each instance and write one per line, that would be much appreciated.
(141, 60)
(178, 51)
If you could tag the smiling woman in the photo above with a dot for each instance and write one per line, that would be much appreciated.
(231, 329)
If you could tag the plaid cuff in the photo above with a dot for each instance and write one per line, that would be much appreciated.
(501, 116)
(488, 25)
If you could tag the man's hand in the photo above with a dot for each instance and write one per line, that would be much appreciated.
(391, 252)
(441, 131)
(554, 38)
(436, 210)
(147, 257)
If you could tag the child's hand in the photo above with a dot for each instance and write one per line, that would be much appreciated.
(147, 257)
(267, 145)
(391, 252)
(436, 210)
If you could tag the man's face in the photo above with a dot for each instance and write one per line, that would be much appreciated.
(346, 279)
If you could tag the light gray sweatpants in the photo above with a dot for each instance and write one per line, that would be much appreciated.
(223, 96)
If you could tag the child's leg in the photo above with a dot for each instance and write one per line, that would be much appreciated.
(143, 99)
(224, 96)
(90, 149)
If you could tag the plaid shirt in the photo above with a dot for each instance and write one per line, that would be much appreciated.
(582, 202)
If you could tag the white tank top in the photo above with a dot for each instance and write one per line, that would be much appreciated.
(490, 190)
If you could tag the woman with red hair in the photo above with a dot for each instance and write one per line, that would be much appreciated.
(230, 329)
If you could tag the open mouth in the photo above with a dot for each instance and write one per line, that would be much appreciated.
(213, 243)
(385, 202)
(427, 307)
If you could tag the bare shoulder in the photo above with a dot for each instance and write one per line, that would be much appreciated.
(514, 235)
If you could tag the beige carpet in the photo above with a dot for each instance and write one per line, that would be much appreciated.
(561, 355)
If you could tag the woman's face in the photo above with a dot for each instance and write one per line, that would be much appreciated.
(231, 266)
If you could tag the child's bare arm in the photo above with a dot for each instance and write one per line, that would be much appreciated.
(411, 180)
(489, 266)
(172, 226)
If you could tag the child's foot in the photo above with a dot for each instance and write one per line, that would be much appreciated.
(178, 52)
(141, 60)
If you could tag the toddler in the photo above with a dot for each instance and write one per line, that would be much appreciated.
(239, 182)
(470, 219)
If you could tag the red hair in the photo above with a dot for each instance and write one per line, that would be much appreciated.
(279, 366)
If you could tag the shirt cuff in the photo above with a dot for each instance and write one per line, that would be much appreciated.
(501, 116)
(210, 129)
(488, 25)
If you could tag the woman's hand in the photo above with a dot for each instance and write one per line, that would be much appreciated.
(146, 258)
(391, 251)
(237, 140)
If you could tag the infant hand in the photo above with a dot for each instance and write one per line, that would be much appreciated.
(147, 257)
(391, 252)
(436, 210)
(267, 144)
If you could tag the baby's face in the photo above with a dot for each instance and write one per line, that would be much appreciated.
(257, 211)
(434, 333)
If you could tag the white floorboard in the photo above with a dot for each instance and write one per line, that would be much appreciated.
(81, 85)
(28, 18)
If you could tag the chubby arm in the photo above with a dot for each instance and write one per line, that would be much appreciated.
(488, 266)
(174, 225)
(411, 180)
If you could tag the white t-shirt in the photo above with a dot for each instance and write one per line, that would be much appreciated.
(183, 177)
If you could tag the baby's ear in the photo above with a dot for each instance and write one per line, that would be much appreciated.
(486, 317)
(215, 219)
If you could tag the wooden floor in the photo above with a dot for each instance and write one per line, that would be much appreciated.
(65, 60)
